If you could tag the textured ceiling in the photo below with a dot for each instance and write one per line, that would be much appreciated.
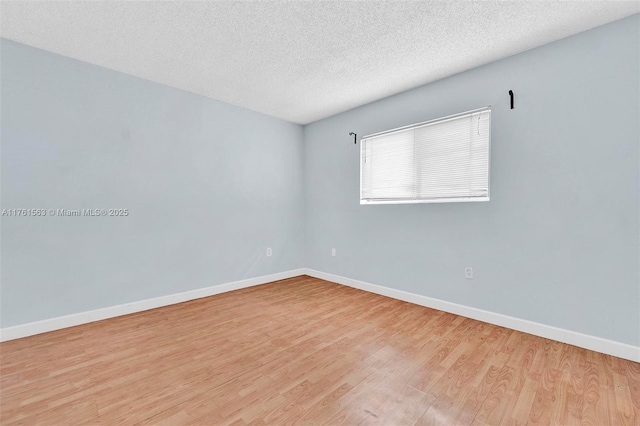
(300, 61)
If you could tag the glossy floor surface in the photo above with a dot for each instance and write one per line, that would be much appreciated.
(306, 351)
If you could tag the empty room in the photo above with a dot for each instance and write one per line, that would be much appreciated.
(320, 212)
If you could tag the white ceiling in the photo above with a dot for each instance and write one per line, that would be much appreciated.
(300, 61)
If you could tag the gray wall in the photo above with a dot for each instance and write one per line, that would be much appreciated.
(209, 186)
(559, 241)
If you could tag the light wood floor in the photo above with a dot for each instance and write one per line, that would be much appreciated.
(305, 351)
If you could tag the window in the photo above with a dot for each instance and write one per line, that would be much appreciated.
(441, 160)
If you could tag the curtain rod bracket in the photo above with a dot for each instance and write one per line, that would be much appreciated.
(511, 95)
(354, 137)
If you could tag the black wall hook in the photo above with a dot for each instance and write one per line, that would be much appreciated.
(511, 95)
(354, 137)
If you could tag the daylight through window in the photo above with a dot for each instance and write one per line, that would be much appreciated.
(441, 160)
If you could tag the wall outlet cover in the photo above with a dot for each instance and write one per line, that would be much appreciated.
(468, 273)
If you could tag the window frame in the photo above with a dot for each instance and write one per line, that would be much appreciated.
(430, 200)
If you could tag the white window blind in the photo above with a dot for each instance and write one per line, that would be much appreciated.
(442, 160)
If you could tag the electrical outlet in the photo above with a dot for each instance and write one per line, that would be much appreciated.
(333, 252)
(468, 273)
(269, 251)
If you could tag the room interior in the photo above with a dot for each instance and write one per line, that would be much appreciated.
(236, 277)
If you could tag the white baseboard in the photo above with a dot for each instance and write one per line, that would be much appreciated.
(29, 329)
(586, 341)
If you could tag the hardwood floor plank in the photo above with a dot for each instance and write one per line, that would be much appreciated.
(625, 410)
(306, 351)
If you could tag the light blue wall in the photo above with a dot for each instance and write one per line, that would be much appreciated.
(559, 241)
(209, 186)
